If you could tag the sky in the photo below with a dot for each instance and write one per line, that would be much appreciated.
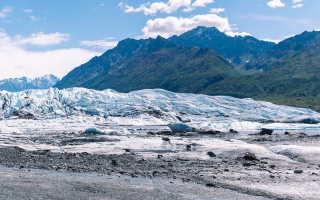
(39, 37)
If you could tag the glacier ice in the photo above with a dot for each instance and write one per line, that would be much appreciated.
(151, 107)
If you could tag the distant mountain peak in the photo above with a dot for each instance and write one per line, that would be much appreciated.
(238, 50)
(24, 83)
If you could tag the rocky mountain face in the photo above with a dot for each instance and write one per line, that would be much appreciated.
(237, 50)
(295, 81)
(24, 83)
(151, 63)
(283, 51)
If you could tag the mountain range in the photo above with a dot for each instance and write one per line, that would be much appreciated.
(204, 60)
(295, 81)
(283, 51)
(151, 63)
(24, 83)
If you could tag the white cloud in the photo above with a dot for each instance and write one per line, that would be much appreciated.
(27, 10)
(169, 26)
(217, 10)
(17, 62)
(34, 19)
(233, 34)
(5, 11)
(202, 3)
(41, 39)
(105, 44)
(168, 7)
(102, 4)
(276, 4)
(297, 5)
(297, 1)
(198, 3)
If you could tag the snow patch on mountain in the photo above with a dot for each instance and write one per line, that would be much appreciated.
(24, 83)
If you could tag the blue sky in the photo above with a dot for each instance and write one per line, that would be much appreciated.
(40, 37)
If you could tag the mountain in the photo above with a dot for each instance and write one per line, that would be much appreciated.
(151, 63)
(238, 50)
(293, 82)
(24, 83)
(284, 50)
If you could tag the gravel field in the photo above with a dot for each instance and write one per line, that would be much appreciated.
(246, 169)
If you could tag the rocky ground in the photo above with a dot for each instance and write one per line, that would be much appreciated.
(252, 165)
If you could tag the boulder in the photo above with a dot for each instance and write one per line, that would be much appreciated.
(250, 156)
(265, 131)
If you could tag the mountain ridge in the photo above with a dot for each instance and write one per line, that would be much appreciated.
(154, 63)
(24, 83)
(284, 50)
(237, 50)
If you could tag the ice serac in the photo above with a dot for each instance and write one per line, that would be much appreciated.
(149, 107)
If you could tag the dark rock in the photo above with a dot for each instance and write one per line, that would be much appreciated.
(182, 119)
(188, 147)
(166, 139)
(226, 170)
(165, 133)
(160, 156)
(127, 150)
(43, 151)
(211, 154)
(272, 166)
(248, 164)
(185, 179)
(250, 156)
(19, 149)
(266, 131)
(211, 132)
(114, 162)
(211, 185)
(272, 176)
(233, 131)
(298, 171)
(261, 140)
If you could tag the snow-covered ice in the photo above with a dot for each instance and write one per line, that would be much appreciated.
(153, 107)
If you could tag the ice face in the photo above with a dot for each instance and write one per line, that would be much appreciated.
(149, 107)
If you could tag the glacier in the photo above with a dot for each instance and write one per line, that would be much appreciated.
(153, 107)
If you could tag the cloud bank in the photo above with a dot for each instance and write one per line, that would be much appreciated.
(169, 26)
(5, 11)
(16, 61)
(168, 7)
